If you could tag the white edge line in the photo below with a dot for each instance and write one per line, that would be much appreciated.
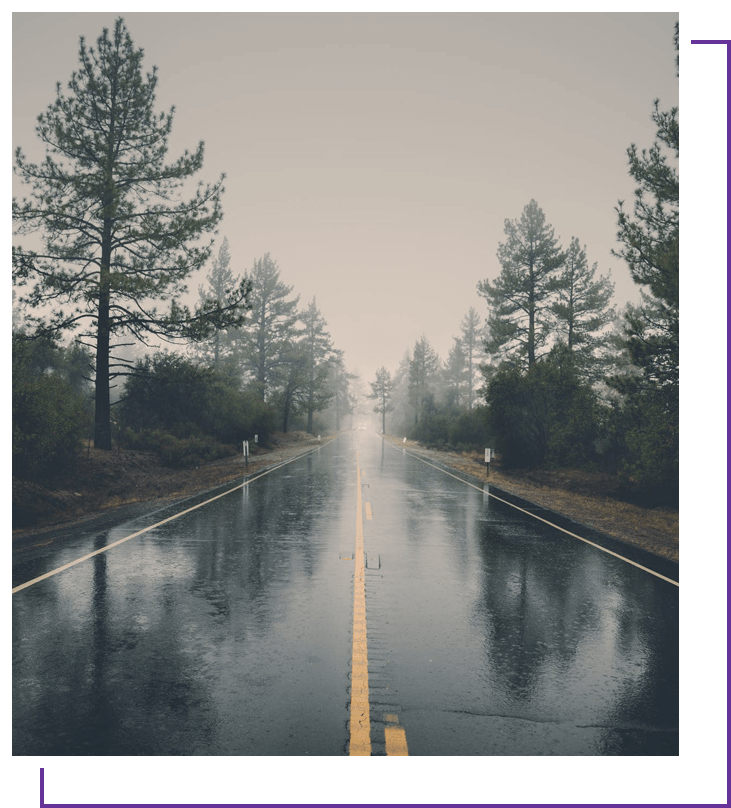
(540, 518)
(157, 524)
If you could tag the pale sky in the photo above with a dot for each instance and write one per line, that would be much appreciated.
(377, 156)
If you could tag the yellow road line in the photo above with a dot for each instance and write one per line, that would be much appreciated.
(395, 737)
(541, 519)
(157, 524)
(360, 718)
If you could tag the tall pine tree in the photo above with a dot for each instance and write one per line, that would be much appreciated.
(520, 297)
(116, 236)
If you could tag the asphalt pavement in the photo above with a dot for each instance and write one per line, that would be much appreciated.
(230, 625)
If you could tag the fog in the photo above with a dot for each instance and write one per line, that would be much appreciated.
(377, 156)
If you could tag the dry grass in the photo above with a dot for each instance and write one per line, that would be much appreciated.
(104, 480)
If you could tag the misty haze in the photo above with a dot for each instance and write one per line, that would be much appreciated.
(345, 384)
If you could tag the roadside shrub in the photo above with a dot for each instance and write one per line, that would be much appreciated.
(432, 429)
(514, 419)
(642, 437)
(49, 424)
(235, 415)
(168, 392)
(171, 394)
(469, 430)
(546, 416)
(175, 452)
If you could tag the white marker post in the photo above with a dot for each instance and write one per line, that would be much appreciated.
(488, 453)
(256, 439)
(246, 453)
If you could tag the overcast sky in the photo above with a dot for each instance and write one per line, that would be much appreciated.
(377, 156)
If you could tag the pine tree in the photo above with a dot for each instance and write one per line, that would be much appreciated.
(116, 235)
(647, 413)
(424, 366)
(319, 348)
(293, 374)
(382, 389)
(400, 393)
(339, 385)
(272, 326)
(520, 298)
(582, 308)
(650, 246)
(471, 344)
(456, 375)
(222, 344)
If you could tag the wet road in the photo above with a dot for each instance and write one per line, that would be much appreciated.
(235, 628)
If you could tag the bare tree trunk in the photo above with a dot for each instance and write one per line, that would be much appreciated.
(102, 415)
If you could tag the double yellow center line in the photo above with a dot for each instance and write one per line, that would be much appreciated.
(360, 711)
(360, 714)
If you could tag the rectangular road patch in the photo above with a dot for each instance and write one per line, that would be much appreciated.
(396, 739)
(373, 561)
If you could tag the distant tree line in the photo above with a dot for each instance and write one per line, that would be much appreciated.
(283, 355)
(565, 381)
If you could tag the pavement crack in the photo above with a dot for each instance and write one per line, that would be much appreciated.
(556, 722)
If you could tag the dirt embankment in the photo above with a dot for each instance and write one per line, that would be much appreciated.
(103, 480)
(584, 497)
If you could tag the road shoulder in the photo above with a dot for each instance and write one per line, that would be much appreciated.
(650, 530)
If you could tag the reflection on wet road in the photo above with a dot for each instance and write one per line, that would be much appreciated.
(230, 630)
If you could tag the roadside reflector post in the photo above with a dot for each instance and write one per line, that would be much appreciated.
(404, 440)
(256, 439)
(246, 453)
(318, 438)
(488, 453)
